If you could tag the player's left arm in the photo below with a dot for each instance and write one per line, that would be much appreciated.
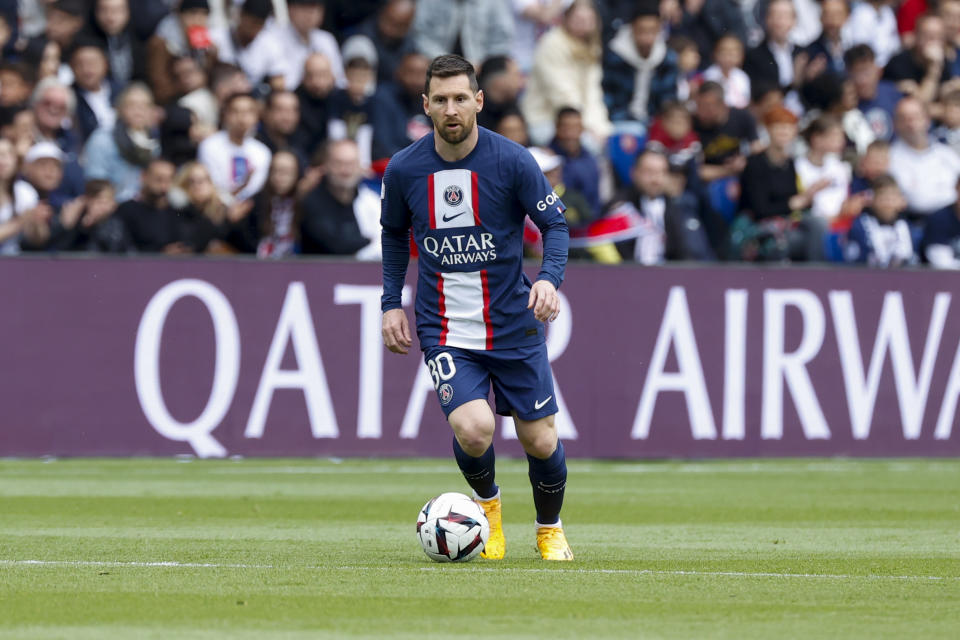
(546, 210)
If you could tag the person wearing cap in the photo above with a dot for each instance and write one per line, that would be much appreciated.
(184, 32)
(249, 46)
(351, 108)
(95, 94)
(302, 37)
(775, 223)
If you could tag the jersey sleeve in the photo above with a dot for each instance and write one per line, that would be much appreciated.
(543, 205)
(395, 224)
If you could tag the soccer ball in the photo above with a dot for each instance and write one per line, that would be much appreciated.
(452, 528)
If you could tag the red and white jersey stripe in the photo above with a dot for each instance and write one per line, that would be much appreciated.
(464, 307)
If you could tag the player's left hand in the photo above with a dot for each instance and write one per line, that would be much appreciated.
(544, 301)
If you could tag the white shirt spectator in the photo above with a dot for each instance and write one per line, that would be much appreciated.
(99, 103)
(877, 28)
(927, 178)
(296, 51)
(260, 60)
(736, 86)
(25, 198)
(828, 201)
(235, 167)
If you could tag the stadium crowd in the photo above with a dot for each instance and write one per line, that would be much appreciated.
(759, 130)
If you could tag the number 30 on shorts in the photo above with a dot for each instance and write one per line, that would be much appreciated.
(441, 368)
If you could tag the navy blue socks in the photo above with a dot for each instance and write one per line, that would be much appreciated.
(549, 478)
(478, 472)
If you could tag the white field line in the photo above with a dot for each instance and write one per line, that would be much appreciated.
(629, 572)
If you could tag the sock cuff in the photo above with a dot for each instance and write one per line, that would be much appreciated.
(477, 496)
(558, 523)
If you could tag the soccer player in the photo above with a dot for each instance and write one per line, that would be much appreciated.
(464, 191)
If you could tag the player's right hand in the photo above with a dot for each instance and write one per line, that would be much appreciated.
(396, 331)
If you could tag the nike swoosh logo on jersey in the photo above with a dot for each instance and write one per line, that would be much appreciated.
(447, 218)
(541, 404)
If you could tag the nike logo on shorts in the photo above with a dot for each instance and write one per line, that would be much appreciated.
(447, 218)
(541, 404)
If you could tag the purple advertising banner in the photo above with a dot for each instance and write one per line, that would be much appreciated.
(211, 357)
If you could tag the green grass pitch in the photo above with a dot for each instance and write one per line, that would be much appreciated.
(326, 549)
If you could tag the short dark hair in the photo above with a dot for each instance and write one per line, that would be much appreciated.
(821, 125)
(567, 111)
(96, 186)
(237, 95)
(711, 87)
(883, 181)
(645, 9)
(273, 95)
(492, 66)
(448, 66)
(857, 54)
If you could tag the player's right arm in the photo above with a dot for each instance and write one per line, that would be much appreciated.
(395, 224)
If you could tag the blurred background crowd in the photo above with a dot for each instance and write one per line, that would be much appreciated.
(705, 130)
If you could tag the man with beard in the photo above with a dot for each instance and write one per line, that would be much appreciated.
(151, 222)
(465, 192)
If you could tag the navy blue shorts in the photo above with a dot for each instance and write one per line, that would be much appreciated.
(521, 377)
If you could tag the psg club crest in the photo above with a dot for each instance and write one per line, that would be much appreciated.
(446, 393)
(453, 195)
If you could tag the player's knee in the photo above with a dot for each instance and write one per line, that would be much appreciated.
(540, 443)
(474, 433)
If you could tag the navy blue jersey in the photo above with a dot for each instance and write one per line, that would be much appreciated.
(467, 220)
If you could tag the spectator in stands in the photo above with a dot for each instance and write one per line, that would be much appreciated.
(398, 117)
(65, 19)
(663, 231)
(94, 93)
(822, 162)
(389, 29)
(949, 12)
(228, 80)
(88, 223)
(531, 19)
(206, 224)
(689, 75)
(776, 59)
(919, 70)
(501, 81)
(639, 72)
(17, 126)
(827, 50)
(249, 46)
(302, 37)
(275, 213)
(876, 99)
(17, 199)
(120, 153)
(125, 50)
(707, 21)
(879, 237)
(671, 133)
(43, 169)
(314, 93)
(948, 132)
(926, 170)
(727, 72)
(195, 95)
(47, 61)
(874, 163)
(151, 222)
(182, 33)
(727, 135)
(940, 246)
(872, 22)
(351, 108)
(238, 162)
(581, 171)
(280, 122)
(772, 226)
(340, 216)
(579, 212)
(567, 73)
(16, 83)
(477, 30)
(513, 126)
(54, 105)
